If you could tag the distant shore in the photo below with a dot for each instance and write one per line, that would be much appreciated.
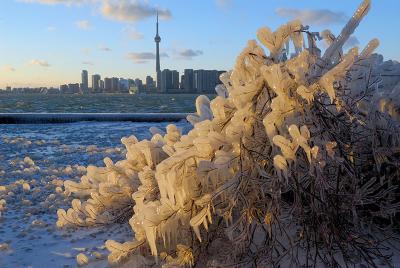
(109, 93)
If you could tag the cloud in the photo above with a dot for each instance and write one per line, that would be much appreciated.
(51, 28)
(224, 3)
(104, 48)
(350, 43)
(84, 25)
(315, 17)
(120, 10)
(132, 33)
(41, 63)
(88, 63)
(144, 57)
(53, 2)
(131, 10)
(188, 54)
(8, 68)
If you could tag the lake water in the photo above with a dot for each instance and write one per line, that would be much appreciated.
(28, 235)
(99, 103)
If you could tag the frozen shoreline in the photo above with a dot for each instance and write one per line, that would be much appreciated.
(43, 156)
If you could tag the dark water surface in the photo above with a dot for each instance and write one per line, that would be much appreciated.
(99, 103)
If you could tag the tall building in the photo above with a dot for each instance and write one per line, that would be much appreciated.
(166, 80)
(101, 85)
(188, 82)
(139, 84)
(169, 80)
(114, 84)
(214, 80)
(205, 81)
(131, 82)
(63, 89)
(73, 88)
(81, 88)
(198, 80)
(107, 84)
(85, 81)
(123, 85)
(157, 39)
(149, 83)
(96, 78)
(182, 84)
(175, 80)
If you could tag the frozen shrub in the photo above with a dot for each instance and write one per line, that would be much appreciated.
(295, 162)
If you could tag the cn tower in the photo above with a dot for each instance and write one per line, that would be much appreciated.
(157, 39)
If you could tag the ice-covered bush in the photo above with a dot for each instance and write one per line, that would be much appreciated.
(296, 161)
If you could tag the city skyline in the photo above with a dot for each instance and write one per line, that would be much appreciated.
(190, 81)
(116, 38)
(167, 81)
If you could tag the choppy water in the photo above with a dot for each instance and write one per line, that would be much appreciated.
(100, 103)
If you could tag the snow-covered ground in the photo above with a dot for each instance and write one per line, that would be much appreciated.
(34, 162)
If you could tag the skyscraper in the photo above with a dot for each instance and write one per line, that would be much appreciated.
(199, 78)
(169, 81)
(114, 84)
(101, 85)
(175, 80)
(182, 84)
(139, 84)
(73, 88)
(157, 39)
(188, 83)
(63, 89)
(123, 85)
(96, 83)
(149, 84)
(85, 81)
(166, 80)
(107, 84)
(204, 81)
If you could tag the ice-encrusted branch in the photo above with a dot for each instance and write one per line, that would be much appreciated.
(278, 160)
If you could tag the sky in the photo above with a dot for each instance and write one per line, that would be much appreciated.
(49, 42)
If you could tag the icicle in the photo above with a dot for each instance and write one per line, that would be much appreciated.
(369, 49)
(348, 30)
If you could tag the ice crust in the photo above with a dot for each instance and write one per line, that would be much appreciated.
(42, 157)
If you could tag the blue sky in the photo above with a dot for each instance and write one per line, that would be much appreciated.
(49, 42)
